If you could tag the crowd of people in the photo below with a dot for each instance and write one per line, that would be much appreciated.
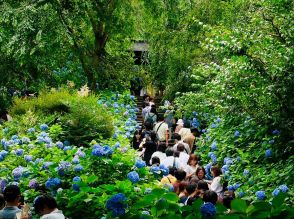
(13, 207)
(165, 140)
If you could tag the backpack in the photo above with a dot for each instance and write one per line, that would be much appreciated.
(150, 119)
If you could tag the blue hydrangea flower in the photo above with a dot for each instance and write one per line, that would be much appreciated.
(116, 204)
(246, 172)
(164, 169)
(276, 132)
(3, 184)
(98, 150)
(126, 113)
(140, 163)
(276, 192)
(228, 161)
(31, 130)
(237, 186)
(218, 120)
(59, 144)
(80, 153)
(66, 143)
(268, 153)
(117, 145)
(203, 130)
(107, 150)
(77, 179)
(260, 195)
(225, 168)
(52, 183)
(25, 140)
(115, 135)
(133, 176)
(231, 188)
(208, 209)
(99, 102)
(241, 194)
(237, 134)
(33, 183)
(75, 160)
(213, 146)
(283, 188)
(67, 148)
(17, 172)
(213, 159)
(14, 137)
(213, 126)
(78, 168)
(46, 165)
(44, 127)
(19, 152)
(28, 158)
(210, 154)
(3, 153)
(155, 169)
(147, 191)
(63, 167)
(271, 141)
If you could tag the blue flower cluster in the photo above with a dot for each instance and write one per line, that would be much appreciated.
(78, 168)
(59, 144)
(28, 158)
(208, 209)
(237, 134)
(133, 177)
(212, 157)
(18, 172)
(195, 123)
(75, 186)
(44, 127)
(213, 146)
(43, 137)
(268, 153)
(33, 184)
(260, 195)
(246, 172)
(52, 183)
(282, 188)
(102, 151)
(140, 163)
(158, 170)
(64, 167)
(234, 187)
(116, 204)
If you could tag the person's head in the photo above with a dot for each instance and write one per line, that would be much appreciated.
(148, 125)
(12, 194)
(180, 175)
(187, 124)
(172, 170)
(176, 137)
(195, 132)
(210, 196)
(200, 173)
(182, 186)
(169, 152)
(151, 99)
(161, 147)
(44, 204)
(160, 117)
(202, 185)
(2, 201)
(228, 198)
(137, 135)
(216, 171)
(155, 161)
(180, 147)
(152, 136)
(153, 110)
(191, 188)
(176, 154)
(193, 160)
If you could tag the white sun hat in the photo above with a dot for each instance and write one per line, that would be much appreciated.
(180, 122)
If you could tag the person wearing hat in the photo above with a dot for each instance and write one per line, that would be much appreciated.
(180, 124)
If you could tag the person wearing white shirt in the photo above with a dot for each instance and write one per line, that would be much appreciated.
(46, 207)
(161, 130)
(192, 166)
(184, 132)
(160, 153)
(184, 157)
(178, 140)
(171, 160)
(215, 184)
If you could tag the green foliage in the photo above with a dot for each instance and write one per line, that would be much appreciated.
(80, 119)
